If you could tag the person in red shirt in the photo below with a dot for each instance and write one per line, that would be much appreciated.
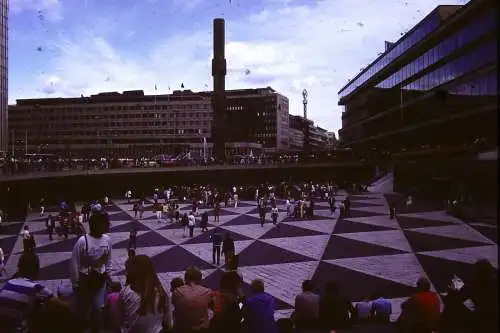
(421, 312)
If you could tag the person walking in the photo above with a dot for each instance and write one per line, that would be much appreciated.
(216, 247)
(191, 223)
(228, 248)
(262, 215)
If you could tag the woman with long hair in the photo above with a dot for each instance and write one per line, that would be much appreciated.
(143, 303)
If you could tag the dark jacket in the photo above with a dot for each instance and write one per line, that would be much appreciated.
(258, 312)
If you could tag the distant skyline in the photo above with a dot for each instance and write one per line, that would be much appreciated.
(65, 48)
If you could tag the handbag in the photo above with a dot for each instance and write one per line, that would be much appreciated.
(93, 281)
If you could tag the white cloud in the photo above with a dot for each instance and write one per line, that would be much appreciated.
(288, 47)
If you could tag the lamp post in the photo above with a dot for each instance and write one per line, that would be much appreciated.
(305, 129)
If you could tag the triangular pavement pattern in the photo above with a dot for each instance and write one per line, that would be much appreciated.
(356, 212)
(253, 231)
(393, 238)
(310, 246)
(285, 230)
(437, 215)
(204, 250)
(357, 285)
(373, 209)
(260, 253)
(59, 270)
(401, 268)
(325, 213)
(459, 231)
(174, 235)
(344, 227)
(468, 255)
(205, 237)
(283, 281)
(148, 239)
(382, 221)
(241, 210)
(177, 259)
(324, 226)
(407, 222)
(421, 242)
(47, 259)
(341, 247)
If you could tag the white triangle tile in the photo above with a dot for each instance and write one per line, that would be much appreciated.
(309, 246)
(460, 231)
(437, 215)
(115, 223)
(204, 250)
(322, 205)
(468, 255)
(391, 238)
(381, 221)
(36, 226)
(326, 213)
(47, 259)
(11, 264)
(174, 235)
(250, 230)
(324, 226)
(373, 209)
(117, 237)
(401, 268)
(240, 210)
(283, 314)
(283, 281)
(154, 224)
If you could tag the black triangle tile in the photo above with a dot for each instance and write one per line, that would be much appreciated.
(151, 218)
(120, 216)
(357, 285)
(440, 271)
(127, 227)
(7, 245)
(223, 212)
(57, 271)
(242, 204)
(421, 242)
(355, 204)
(213, 280)
(260, 253)
(243, 220)
(489, 232)
(148, 239)
(41, 218)
(345, 227)
(340, 247)
(414, 222)
(204, 237)
(315, 218)
(285, 230)
(65, 245)
(171, 226)
(11, 228)
(177, 259)
(360, 213)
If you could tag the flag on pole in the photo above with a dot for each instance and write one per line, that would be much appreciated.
(182, 85)
(156, 88)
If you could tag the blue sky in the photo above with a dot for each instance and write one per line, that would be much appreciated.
(62, 48)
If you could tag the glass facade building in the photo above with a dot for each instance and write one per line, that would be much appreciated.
(4, 9)
(436, 86)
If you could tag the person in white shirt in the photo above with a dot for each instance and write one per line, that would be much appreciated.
(159, 211)
(288, 207)
(191, 223)
(106, 200)
(2, 263)
(90, 270)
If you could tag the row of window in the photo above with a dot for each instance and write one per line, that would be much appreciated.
(38, 135)
(483, 85)
(479, 57)
(470, 33)
(408, 41)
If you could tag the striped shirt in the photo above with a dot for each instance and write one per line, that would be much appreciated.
(17, 298)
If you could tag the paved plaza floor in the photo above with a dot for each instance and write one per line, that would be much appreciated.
(365, 253)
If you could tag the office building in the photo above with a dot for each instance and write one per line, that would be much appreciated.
(318, 137)
(434, 87)
(131, 124)
(4, 94)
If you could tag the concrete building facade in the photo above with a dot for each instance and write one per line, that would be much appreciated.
(4, 93)
(131, 124)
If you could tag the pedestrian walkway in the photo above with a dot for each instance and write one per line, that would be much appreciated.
(364, 253)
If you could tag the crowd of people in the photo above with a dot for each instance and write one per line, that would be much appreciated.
(96, 301)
